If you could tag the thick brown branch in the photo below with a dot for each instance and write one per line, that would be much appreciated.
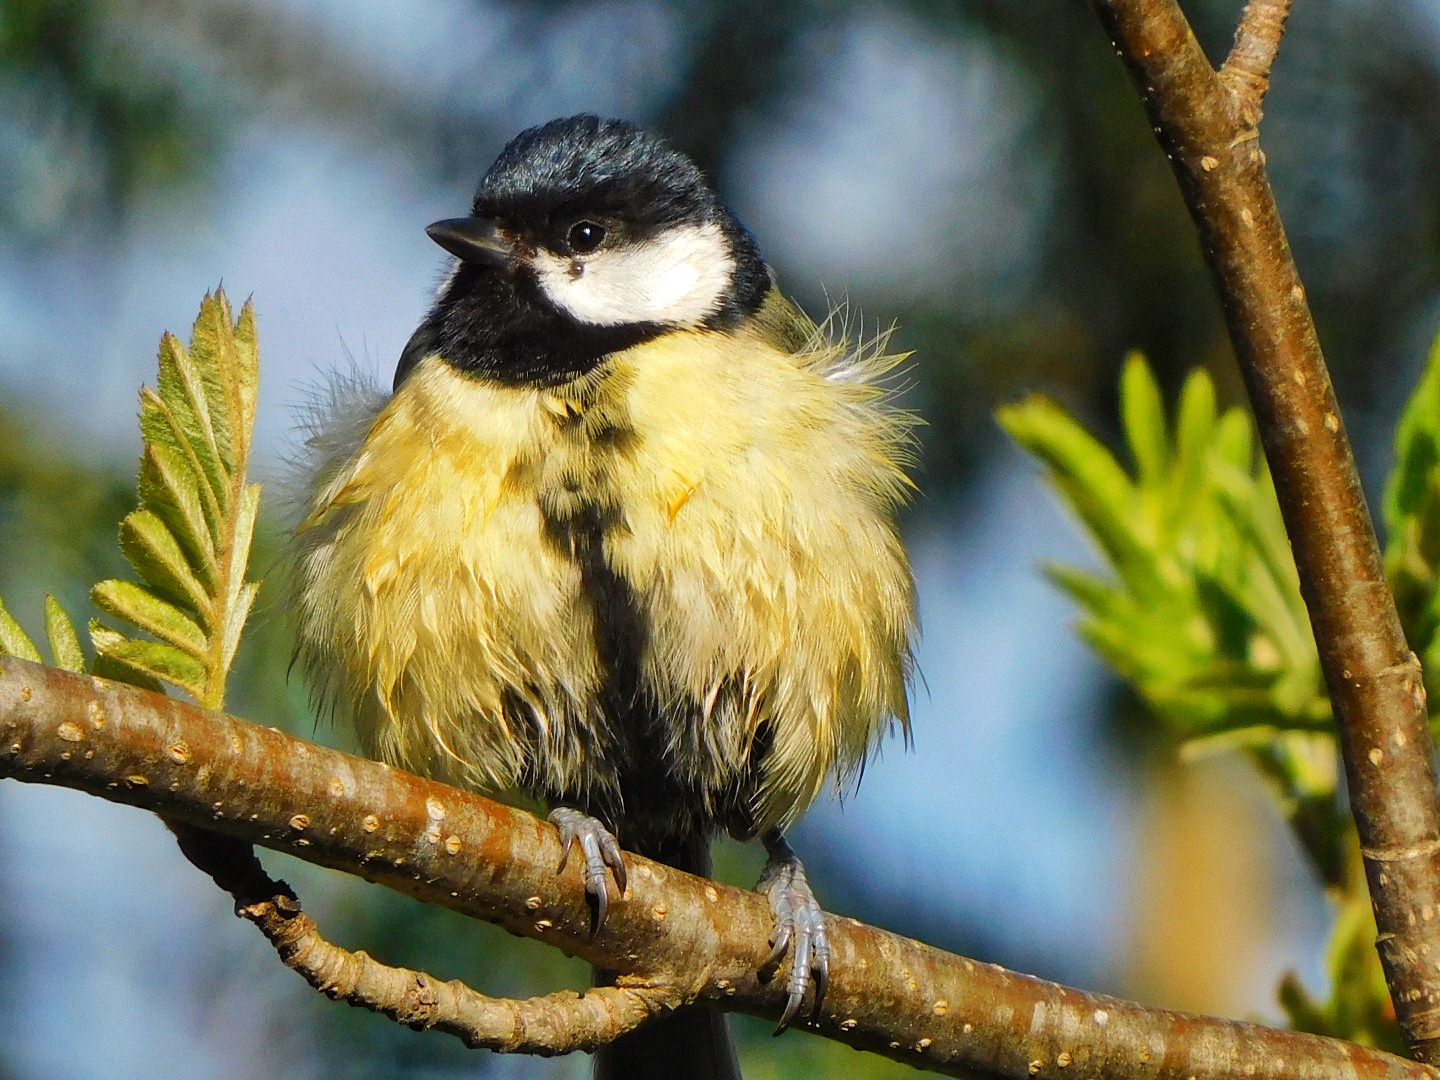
(694, 938)
(1257, 42)
(1209, 133)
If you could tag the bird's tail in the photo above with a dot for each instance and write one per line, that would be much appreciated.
(692, 1043)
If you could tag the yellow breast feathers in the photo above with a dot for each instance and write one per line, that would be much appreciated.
(744, 495)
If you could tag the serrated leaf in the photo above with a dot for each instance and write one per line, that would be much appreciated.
(170, 489)
(239, 612)
(156, 556)
(183, 390)
(143, 608)
(103, 637)
(189, 541)
(213, 353)
(247, 368)
(106, 667)
(14, 641)
(241, 595)
(158, 660)
(157, 416)
(64, 642)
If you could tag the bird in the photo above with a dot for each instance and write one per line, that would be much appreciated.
(621, 537)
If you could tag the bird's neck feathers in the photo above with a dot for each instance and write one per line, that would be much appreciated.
(488, 326)
(552, 318)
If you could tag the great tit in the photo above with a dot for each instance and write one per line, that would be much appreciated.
(622, 537)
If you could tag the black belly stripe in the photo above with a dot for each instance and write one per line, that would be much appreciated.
(651, 807)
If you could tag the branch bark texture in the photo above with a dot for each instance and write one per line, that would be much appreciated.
(557, 1023)
(1208, 123)
(687, 938)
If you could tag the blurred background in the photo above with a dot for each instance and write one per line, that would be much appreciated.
(980, 172)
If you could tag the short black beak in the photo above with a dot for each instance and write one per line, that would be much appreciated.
(472, 239)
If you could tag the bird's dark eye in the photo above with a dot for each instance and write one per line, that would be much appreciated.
(584, 237)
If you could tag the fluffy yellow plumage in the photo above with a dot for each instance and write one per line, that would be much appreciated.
(748, 482)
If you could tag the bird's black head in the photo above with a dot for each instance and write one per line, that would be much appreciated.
(586, 236)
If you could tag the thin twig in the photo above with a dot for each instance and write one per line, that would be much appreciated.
(558, 1023)
(699, 939)
(1207, 129)
(1246, 70)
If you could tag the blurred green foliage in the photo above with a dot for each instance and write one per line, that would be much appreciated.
(1411, 510)
(1204, 613)
(1198, 608)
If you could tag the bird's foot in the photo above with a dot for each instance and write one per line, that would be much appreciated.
(602, 857)
(799, 928)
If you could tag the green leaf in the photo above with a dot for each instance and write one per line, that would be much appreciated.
(108, 667)
(156, 556)
(143, 608)
(1195, 422)
(1203, 611)
(1086, 474)
(155, 659)
(1198, 604)
(189, 541)
(1303, 1011)
(170, 489)
(1234, 442)
(216, 359)
(162, 426)
(1412, 516)
(1417, 449)
(1090, 591)
(1143, 415)
(183, 389)
(64, 642)
(1359, 1008)
(241, 594)
(14, 641)
(246, 383)
(1412, 504)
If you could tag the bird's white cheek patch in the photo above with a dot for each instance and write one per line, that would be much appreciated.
(676, 278)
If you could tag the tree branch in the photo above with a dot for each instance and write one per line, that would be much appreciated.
(684, 937)
(1246, 71)
(1207, 124)
(557, 1023)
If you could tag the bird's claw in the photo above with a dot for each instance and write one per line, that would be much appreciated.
(602, 858)
(799, 929)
